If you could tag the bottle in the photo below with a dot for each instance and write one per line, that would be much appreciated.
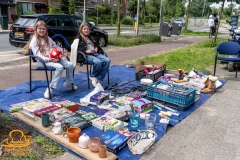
(83, 141)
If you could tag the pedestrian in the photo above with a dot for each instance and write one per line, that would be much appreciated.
(94, 53)
(41, 44)
(211, 24)
(215, 18)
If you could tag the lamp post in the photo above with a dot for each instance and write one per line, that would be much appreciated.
(160, 15)
(84, 11)
(97, 14)
(138, 4)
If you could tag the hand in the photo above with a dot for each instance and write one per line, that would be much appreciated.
(54, 60)
(65, 53)
(89, 51)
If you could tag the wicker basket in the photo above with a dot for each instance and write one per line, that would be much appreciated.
(141, 141)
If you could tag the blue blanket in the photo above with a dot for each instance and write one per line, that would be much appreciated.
(118, 74)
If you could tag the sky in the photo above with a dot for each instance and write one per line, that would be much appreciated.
(225, 5)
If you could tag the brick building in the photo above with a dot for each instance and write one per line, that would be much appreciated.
(9, 8)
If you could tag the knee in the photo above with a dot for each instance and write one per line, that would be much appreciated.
(60, 68)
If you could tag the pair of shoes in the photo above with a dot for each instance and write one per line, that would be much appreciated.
(70, 86)
(48, 95)
(94, 81)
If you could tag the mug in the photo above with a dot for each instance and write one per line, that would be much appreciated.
(45, 120)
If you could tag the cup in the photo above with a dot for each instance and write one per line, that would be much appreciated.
(45, 120)
(150, 119)
(134, 118)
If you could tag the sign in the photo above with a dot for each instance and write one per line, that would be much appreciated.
(19, 146)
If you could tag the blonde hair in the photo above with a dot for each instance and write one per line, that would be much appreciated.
(45, 37)
(84, 24)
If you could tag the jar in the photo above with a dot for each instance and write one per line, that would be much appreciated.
(83, 141)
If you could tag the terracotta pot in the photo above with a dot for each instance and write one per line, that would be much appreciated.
(94, 144)
(73, 134)
(102, 151)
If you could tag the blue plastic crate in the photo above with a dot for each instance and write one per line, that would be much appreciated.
(178, 95)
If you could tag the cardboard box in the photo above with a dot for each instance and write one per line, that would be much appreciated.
(76, 121)
(72, 106)
(114, 125)
(100, 121)
(144, 64)
(114, 141)
(143, 104)
(99, 97)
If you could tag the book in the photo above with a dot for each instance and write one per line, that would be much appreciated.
(114, 141)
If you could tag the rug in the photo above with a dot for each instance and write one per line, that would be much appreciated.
(118, 74)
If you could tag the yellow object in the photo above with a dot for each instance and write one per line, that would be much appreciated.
(166, 113)
(17, 147)
(135, 25)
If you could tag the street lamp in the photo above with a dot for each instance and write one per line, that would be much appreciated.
(160, 15)
(84, 11)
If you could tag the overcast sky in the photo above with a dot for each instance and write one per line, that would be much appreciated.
(225, 4)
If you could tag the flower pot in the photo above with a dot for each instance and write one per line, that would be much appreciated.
(73, 134)
(102, 151)
(94, 144)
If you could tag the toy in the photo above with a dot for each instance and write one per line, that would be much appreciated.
(55, 53)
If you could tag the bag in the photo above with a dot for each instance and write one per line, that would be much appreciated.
(81, 58)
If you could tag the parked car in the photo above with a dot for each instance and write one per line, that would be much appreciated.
(180, 21)
(63, 29)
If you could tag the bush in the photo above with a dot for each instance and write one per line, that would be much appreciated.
(128, 41)
(127, 21)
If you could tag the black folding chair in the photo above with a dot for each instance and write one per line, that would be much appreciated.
(32, 58)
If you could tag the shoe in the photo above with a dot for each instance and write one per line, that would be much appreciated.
(48, 95)
(70, 86)
(94, 81)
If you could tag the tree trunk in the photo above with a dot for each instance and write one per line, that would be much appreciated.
(220, 16)
(118, 18)
(187, 14)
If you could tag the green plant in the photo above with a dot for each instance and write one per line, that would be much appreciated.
(29, 12)
(50, 147)
(52, 10)
(199, 56)
(19, 9)
(32, 155)
(128, 41)
(127, 21)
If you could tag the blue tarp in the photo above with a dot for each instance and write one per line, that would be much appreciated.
(118, 74)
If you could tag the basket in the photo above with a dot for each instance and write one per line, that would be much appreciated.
(141, 141)
(179, 95)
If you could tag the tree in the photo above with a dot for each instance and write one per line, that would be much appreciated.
(221, 12)
(187, 14)
(118, 17)
(71, 9)
(64, 6)
(197, 8)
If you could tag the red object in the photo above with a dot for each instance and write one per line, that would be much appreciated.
(55, 53)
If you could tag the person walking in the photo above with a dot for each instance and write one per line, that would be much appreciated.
(94, 53)
(211, 25)
(41, 44)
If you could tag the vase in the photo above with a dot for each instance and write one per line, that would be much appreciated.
(94, 144)
(83, 141)
(73, 134)
(45, 120)
(102, 151)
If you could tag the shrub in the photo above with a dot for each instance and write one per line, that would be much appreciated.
(127, 21)
(128, 41)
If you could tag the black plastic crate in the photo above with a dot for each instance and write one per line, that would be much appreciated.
(141, 74)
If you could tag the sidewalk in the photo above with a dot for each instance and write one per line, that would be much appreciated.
(212, 132)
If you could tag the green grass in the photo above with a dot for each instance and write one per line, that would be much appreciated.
(51, 148)
(199, 56)
(191, 33)
(128, 41)
(32, 155)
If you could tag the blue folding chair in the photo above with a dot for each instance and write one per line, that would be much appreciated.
(223, 50)
(44, 68)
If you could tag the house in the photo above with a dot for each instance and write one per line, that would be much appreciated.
(12, 8)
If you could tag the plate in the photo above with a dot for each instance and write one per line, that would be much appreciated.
(19, 34)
